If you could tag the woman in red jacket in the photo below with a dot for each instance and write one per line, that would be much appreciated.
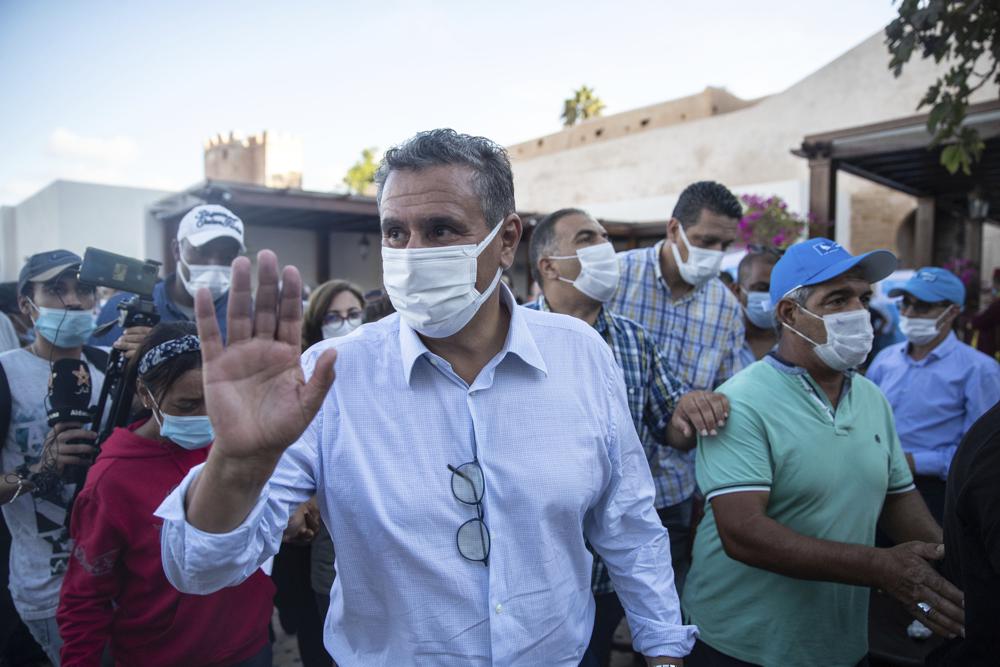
(115, 593)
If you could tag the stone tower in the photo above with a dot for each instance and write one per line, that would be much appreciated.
(269, 159)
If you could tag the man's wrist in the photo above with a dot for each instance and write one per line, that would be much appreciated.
(663, 661)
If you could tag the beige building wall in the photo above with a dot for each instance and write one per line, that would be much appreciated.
(637, 176)
(267, 158)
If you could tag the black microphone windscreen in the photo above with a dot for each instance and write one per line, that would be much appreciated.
(69, 392)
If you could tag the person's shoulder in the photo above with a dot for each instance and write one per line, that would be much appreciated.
(747, 383)
(636, 256)
(559, 324)
(12, 358)
(973, 359)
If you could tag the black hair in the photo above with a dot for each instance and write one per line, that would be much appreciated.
(492, 179)
(543, 236)
(706, 195)
(161, 377)
(751, 258)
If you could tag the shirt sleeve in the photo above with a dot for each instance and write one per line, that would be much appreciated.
(739, 457)
(626, 532)
(900, 477)
(664, 391)
(109, 312)
(92, 582)
(732, 357)
(982, 392)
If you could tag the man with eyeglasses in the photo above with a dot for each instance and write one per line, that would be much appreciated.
(468, 451)
(937, 385)
(32, 493)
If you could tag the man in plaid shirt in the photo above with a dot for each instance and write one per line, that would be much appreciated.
(575, 265)
(673, 290)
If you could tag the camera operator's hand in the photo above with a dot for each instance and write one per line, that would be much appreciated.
(131, 340)
(59, 452)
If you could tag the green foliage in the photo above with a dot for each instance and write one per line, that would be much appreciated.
(965, 34)
(583, 105)
(362, 173)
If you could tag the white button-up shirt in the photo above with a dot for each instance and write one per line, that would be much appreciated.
(548, 422)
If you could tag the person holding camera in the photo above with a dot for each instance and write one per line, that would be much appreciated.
(34, 495)
(209, 238)
(115, 592)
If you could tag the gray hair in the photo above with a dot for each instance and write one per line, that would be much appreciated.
(492, 177)
(800, 294)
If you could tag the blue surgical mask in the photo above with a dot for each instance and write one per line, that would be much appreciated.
(64, 328)
(759, 310)
(188, 432)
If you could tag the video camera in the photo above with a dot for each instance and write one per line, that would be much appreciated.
(101, 268)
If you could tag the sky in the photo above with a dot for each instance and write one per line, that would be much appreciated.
(126, 93)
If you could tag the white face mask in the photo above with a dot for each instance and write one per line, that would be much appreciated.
(434, 289)
(759, 311)
(849, 338)
(920, 330)
(215, 278)
(341, 328)
(701, 266)
(599, 272)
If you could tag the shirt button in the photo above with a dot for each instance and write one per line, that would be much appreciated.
(499, 608)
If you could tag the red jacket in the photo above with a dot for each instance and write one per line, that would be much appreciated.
(115, 589)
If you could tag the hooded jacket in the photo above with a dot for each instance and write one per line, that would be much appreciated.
(115, 590)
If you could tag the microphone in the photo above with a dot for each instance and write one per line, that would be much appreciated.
(69, 396)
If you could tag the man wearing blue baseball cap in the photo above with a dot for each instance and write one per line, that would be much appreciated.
(795, 483)
(937, 385)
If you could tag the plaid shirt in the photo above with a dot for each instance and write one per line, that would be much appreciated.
(653, 392)
(701, 336)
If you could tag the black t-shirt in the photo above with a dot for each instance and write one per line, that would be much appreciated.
(972, 543)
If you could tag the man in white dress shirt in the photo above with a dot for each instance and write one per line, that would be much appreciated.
(466, 452)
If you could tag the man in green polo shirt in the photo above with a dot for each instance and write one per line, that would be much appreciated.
(806, 466)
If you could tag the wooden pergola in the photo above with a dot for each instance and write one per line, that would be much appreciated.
(898, 154)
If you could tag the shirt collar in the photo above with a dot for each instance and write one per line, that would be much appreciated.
(602, 324)
(943, 349)
(519, 341)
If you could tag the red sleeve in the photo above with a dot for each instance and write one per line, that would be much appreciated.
(92, 582)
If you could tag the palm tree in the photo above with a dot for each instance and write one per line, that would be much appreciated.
(583, 105)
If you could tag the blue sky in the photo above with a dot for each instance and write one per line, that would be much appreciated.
(127, 92)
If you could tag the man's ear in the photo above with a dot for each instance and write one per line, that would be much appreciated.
(951, 314)
(547, 269)
(175, 249)
(785, 312)
(673, 230)
(510, 236)
(24, 306)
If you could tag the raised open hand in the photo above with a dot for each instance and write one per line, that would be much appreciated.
(255, 392)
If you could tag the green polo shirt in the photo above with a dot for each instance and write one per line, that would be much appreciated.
(828, 472)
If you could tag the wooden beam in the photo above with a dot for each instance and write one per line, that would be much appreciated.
(823, 192)
(923, 233)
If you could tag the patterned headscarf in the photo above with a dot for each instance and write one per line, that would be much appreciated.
(168, 350)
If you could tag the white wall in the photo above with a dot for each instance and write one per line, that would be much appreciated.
(74, 215)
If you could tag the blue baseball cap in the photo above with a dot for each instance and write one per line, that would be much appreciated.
(45, 266)
(818, 260)
(933, 285)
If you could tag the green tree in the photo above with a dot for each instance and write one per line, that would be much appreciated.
(361, 175)
(966, 35)
(583, 105)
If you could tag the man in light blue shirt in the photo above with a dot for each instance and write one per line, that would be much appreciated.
(467, 451)
(937, 385)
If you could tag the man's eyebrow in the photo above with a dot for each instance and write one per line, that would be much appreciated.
(425, 222)
(583, 233)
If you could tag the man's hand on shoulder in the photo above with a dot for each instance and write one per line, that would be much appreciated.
(700, 412)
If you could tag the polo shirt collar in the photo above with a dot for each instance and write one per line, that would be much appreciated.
(519, 342)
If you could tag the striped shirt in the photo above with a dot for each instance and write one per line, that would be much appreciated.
(653, 392)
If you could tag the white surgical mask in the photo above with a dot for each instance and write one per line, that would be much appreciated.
(434, 289)
(849, 338)
(759, 310)
(920, 330)
(341, 327)
(215, 278)
(701, 266)
(599, 272)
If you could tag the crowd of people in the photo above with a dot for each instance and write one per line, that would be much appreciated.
(432, 474)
